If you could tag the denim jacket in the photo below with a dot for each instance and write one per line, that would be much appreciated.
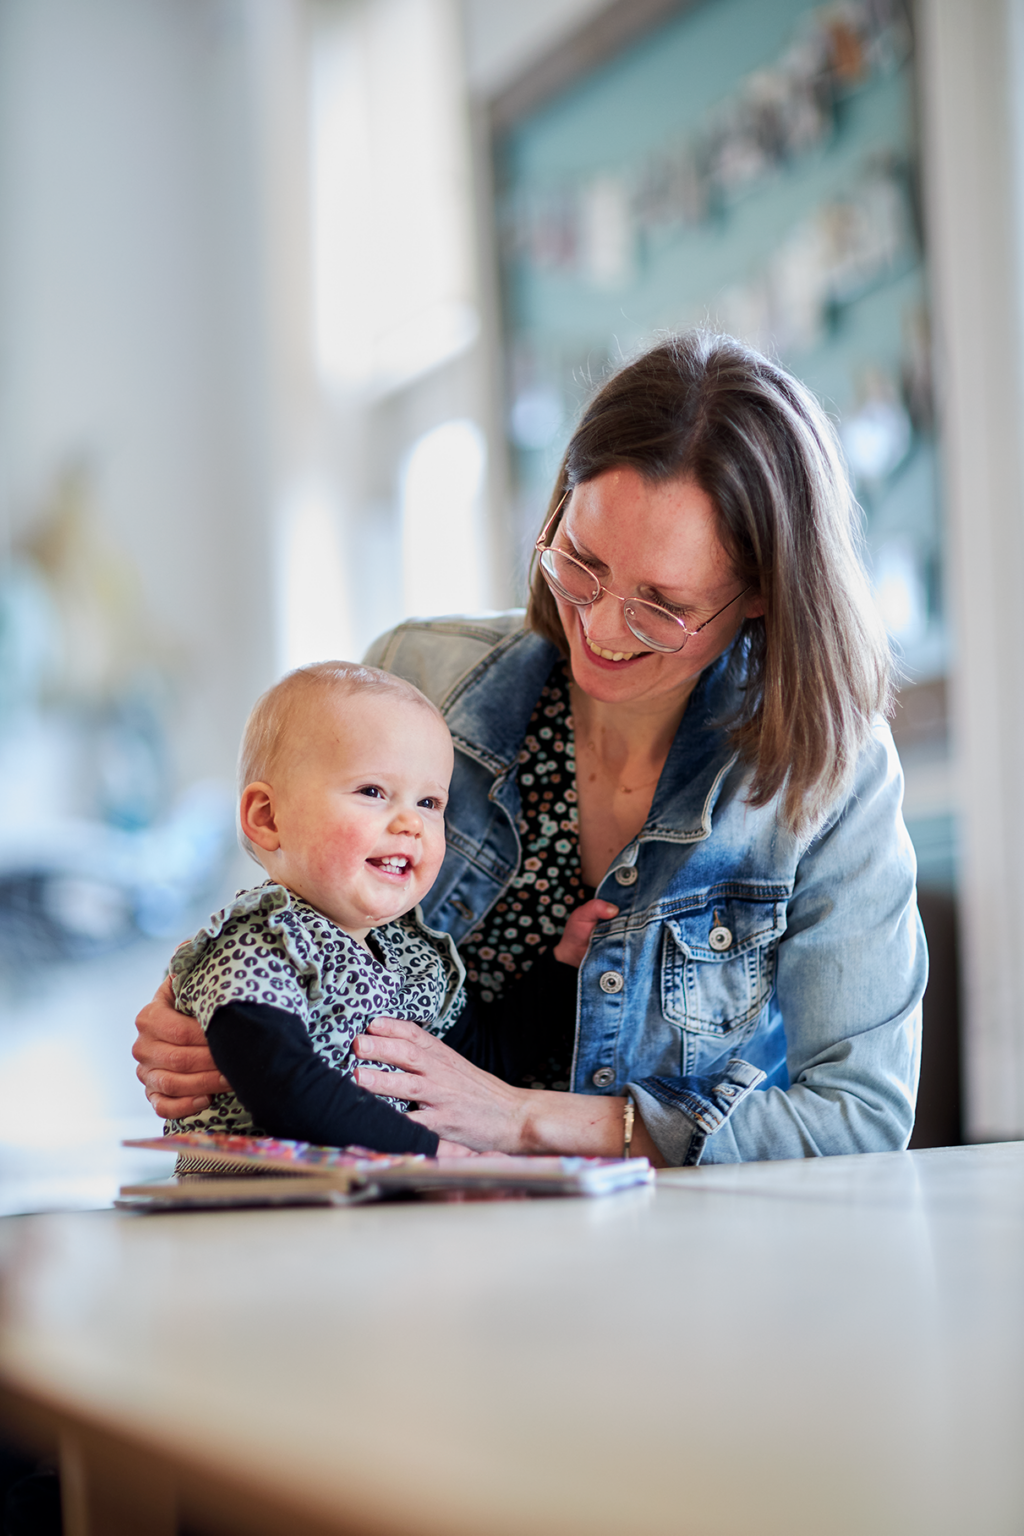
(759, 993)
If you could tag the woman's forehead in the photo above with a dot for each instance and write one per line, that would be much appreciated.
(664, 533)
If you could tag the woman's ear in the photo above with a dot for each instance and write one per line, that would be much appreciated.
(755, 607)
(257, 816)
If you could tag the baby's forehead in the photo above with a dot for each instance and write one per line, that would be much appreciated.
(346, 722)
(339, 704)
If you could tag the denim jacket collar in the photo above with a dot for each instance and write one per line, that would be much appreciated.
(698, 761)
(489, 710)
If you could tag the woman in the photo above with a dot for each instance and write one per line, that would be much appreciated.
(753, 982)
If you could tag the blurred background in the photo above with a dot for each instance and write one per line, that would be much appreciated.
(299, 300)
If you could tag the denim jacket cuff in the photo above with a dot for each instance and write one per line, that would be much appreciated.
(680, 1113)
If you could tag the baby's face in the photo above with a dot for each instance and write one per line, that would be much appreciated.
(359, 804)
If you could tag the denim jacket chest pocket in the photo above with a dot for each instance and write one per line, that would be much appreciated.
(718, 965)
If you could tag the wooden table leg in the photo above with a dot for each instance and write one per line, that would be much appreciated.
(107, 1490)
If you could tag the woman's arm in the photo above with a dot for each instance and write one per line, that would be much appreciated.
(462, 1103)
(175, 1066)
(851, 972)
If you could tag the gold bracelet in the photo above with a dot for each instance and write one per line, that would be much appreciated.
(627, 1126)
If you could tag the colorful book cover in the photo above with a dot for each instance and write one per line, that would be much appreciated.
(269, 1153)
(376, 1174)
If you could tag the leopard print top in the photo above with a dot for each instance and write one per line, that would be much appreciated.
(270, 946)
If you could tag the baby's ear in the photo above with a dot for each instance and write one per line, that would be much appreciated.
(257, 816)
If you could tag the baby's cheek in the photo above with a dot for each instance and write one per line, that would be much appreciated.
(433, 856)
(337, 851)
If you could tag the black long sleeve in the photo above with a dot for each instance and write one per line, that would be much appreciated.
(268, 1058)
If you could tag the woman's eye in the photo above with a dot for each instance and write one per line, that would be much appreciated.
(673, 608)
(587, 560)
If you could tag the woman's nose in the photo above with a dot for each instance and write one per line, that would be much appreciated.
(611, 622)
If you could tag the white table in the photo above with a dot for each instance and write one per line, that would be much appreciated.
(813, 1349)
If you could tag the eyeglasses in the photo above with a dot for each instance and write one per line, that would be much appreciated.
(575, 583)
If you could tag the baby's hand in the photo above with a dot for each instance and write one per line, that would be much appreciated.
(453, 1149)
(572, 946)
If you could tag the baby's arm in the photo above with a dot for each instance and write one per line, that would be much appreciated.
(267, 1056)
(572, 946)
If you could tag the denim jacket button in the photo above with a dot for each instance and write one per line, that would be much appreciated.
(626, 874)
(720, 938)
(603, 1077)
(611, 981)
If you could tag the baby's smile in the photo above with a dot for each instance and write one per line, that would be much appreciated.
(392, 864)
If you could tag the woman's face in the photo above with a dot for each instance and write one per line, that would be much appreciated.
(656, 541)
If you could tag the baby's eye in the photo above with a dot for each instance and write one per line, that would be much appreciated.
(432, 803)
(371, 789)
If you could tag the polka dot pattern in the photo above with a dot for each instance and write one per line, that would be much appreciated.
(529, 919)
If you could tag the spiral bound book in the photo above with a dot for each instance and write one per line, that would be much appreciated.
(258, 1170)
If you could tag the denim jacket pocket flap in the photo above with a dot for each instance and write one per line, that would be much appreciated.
(718, 964)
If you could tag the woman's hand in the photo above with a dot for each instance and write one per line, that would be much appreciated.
(453, 1149)
(174, 1063)
(457, 1100)
(463, 1104)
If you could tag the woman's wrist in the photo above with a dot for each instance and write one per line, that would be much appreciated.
(581, 1125)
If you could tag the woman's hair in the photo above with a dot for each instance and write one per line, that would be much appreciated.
(267, 729)
(708, 408)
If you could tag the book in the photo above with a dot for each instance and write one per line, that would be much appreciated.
(219, 1152)
(263, 1170)
(198, 1192)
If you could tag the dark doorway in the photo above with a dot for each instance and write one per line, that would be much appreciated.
(939, 1115)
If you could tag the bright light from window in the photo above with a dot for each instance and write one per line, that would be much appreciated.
(392, 234)
(443, 558)
(315, 603)
(899, 591)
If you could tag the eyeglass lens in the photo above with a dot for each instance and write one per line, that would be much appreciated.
(576, 584)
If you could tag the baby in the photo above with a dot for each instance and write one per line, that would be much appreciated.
(344, 774)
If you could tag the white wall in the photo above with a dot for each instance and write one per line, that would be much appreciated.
(138, 317)
(972, 68)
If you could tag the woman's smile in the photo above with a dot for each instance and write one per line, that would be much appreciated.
(611, 658)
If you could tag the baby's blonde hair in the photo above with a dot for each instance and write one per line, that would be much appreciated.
(267, 725)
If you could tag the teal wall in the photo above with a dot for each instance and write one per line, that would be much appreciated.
(564, 329)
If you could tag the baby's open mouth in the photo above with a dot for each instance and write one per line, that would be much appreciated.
(393, 863)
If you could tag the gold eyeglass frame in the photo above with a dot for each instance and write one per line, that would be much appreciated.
(541, 549)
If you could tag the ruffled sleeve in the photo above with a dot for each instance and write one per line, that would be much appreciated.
(254, 951)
